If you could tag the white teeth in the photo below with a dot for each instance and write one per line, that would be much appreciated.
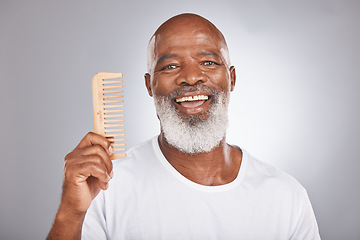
(192, 98)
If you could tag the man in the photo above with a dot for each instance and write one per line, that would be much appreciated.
(187, 183)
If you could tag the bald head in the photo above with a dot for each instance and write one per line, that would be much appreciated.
(190, 22)
(189, 26)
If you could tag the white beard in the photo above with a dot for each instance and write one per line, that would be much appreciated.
(193, 134)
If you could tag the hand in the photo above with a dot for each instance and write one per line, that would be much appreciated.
(88, 169)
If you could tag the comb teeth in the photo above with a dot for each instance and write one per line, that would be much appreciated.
(109, 110)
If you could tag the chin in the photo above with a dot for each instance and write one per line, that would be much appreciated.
(193, 134)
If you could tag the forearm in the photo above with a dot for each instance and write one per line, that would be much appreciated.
(67, 226)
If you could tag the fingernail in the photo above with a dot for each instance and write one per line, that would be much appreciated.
(111, 150)
(111, 174)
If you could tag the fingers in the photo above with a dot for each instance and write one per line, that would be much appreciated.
(91, 158)
(95, 159)
(99, 151)
(87, 170)
(90, 169)
(95, 139)
(93, 144)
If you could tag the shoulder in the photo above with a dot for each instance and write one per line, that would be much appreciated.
(262, 174)
(283, 193)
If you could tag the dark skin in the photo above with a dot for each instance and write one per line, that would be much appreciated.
(185, 51)
(88, 169)
(189, 51)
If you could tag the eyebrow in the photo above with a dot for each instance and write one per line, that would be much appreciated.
(202, 53)
(207, 53)
(166, 56)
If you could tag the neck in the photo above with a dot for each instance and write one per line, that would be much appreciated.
(217, 167)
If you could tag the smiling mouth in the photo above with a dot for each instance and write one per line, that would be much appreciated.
(192, 101)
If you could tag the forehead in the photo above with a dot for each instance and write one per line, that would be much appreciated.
(186, 38)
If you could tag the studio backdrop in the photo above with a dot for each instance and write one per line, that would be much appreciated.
(295, 104)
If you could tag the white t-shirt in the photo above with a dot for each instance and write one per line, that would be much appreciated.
(148, 199)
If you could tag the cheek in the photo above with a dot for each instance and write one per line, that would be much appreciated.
(162, 85)
(221, 79)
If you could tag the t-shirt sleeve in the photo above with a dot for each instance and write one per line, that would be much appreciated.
(94, 226)
(306, 227)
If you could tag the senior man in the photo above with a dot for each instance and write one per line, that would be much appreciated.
(186, 183)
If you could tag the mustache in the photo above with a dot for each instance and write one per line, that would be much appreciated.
(192, 89)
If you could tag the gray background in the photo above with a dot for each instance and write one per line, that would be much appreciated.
(295, 105)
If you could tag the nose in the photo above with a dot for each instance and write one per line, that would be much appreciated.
(191, 75)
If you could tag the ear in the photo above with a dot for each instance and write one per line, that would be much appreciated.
(232, 77)
(148, 83)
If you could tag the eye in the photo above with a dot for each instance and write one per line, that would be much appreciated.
(209, 63)
(169, 67)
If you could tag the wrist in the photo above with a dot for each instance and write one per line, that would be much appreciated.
(69, 215)
(67, 225)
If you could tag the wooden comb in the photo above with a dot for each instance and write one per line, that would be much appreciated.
(109, 110)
